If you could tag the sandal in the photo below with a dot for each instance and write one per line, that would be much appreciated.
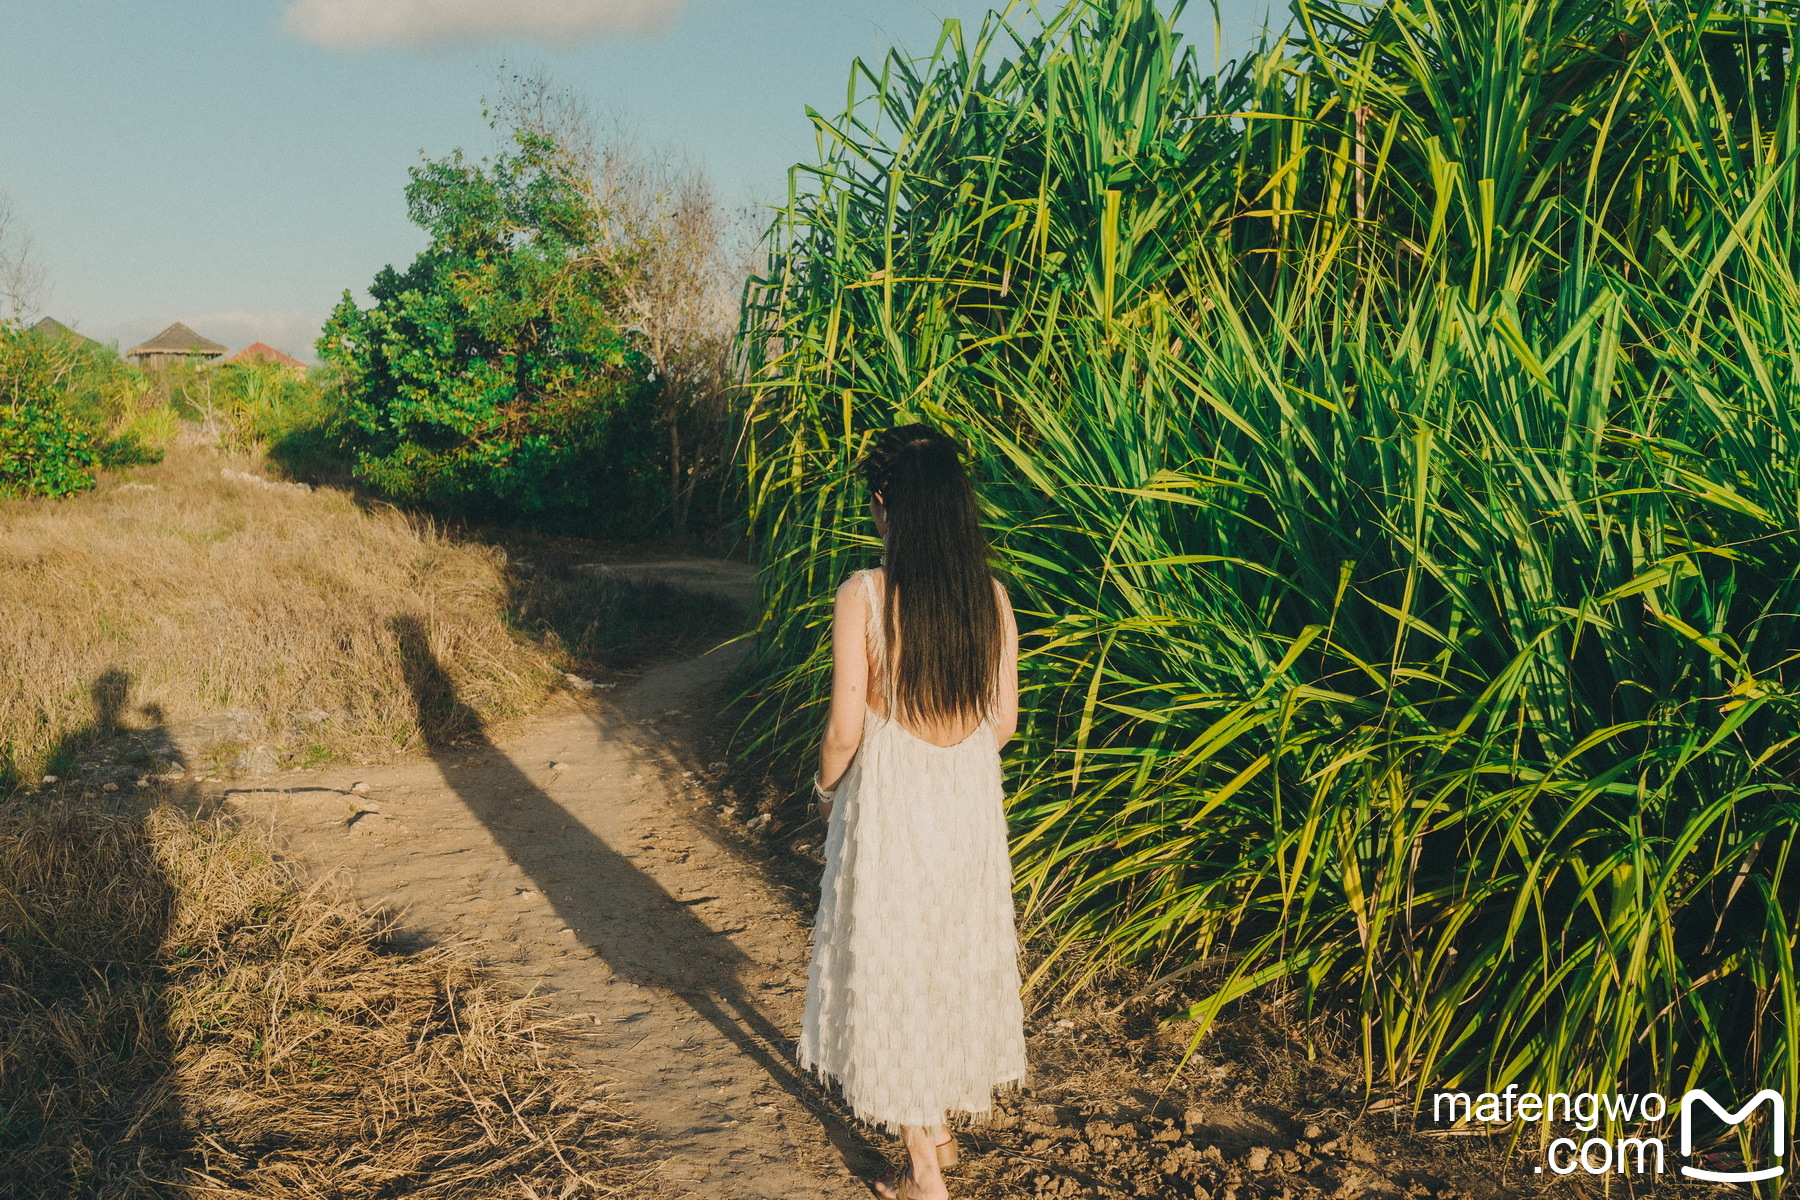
(946, 1153)
(900, 1182)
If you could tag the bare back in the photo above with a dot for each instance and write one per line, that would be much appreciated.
(942, 733)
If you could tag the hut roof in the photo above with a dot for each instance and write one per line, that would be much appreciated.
(263, 352)
(177, 339)
(50, 327)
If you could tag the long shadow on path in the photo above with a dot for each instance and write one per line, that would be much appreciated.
(643, 933)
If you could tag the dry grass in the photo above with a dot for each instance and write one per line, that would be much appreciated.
(180, 1015)
(198, 593)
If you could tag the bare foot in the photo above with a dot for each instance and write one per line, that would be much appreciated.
(904, 1184)
(920, 1179)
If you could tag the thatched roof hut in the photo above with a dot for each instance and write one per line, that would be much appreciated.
(55, 330)
(177, 343)
(262, 352)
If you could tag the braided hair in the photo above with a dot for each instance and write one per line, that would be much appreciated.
(940, 590)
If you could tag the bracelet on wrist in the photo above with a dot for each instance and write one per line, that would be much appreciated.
(820, 794)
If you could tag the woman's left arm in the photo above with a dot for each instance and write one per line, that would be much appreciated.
(1006, 711)
(849, 688)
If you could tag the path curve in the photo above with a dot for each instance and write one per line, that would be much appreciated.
(605, 882)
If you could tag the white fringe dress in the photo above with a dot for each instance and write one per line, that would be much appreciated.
(912, 999)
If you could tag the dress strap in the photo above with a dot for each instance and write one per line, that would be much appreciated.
(878, 637)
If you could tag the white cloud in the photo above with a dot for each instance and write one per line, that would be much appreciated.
(366, 24)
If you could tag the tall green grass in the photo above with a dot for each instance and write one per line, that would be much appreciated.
(1392, 442)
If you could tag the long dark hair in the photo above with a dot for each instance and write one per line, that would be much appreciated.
(937, 568)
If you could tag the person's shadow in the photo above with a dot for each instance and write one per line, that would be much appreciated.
(88, 1098)
(643, 933)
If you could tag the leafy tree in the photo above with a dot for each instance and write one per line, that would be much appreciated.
(490, 377)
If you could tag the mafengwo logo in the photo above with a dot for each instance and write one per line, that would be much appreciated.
(1779, 1122)
(1634, 1154)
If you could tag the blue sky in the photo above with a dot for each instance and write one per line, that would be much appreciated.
(236, 164)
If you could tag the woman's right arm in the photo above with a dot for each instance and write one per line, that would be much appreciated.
(1006, 711)
(849, 688)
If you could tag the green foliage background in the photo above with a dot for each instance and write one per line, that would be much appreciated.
(490, 378)
(69, 406)
(1391, 441)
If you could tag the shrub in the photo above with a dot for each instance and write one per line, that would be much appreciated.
(490, 378)
(69, 406)
(45, 448)
(130, 416)
(295, 418)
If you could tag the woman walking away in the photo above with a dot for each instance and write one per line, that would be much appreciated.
(912, 1000)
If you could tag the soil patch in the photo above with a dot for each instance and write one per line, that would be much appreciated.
(580, 855)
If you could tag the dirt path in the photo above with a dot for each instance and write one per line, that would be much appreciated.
(580, 855)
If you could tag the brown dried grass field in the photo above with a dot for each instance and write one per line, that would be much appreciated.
(182, 1013)
(212, 592)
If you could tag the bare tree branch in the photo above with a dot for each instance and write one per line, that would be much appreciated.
(673, 258)
(23, 277)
